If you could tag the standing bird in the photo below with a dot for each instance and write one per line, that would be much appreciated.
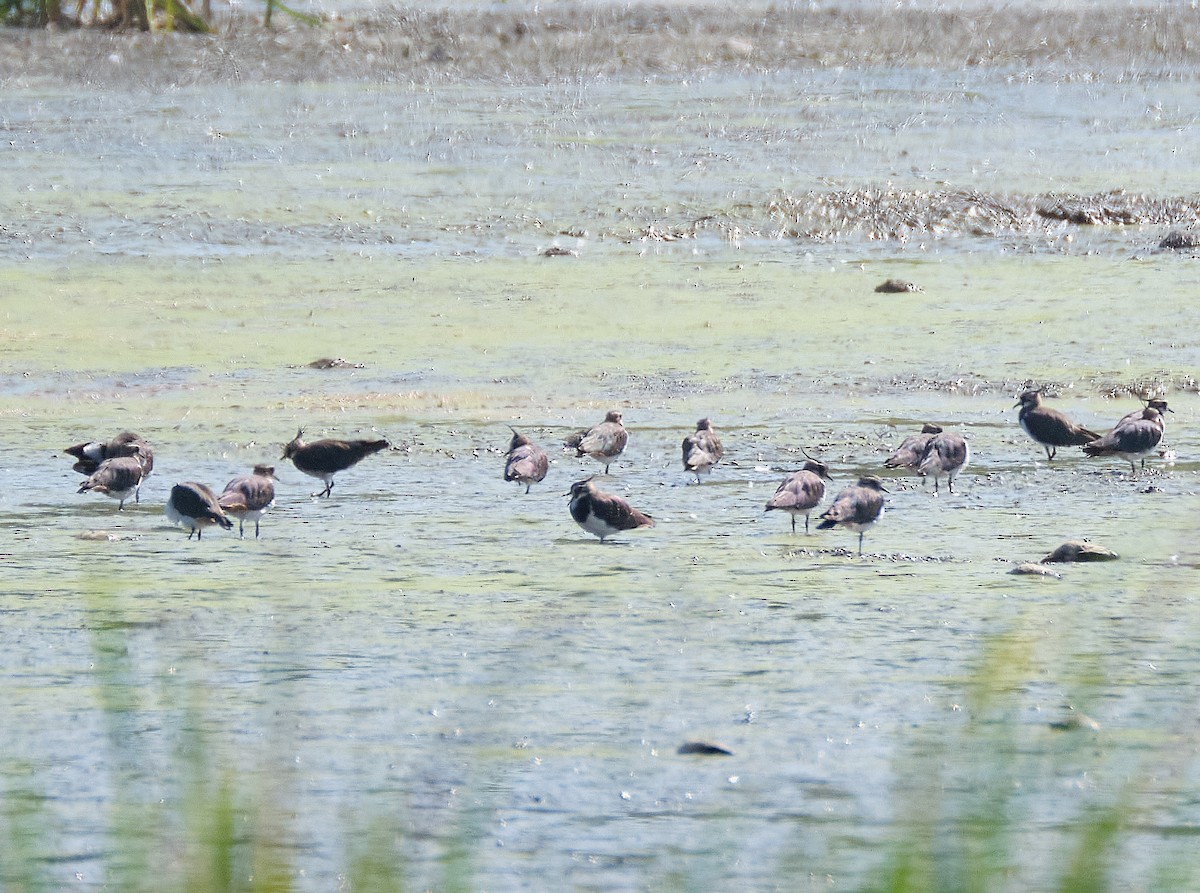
(702, 450)
(89, 455)
(802, 492)
(912, 448)
(118, 478)
(525, 461)
(323, 459)
(1154, 403)
(946, 454)
(194, 505)
(249, 497)
(602, 514)
(1049, 427)
(603, 442)
(857, 507)
(1131, 438)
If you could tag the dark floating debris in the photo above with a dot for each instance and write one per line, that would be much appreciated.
(555, 251)
(1177, 241)
(1080, 550)
(704, 749)
(1075, 721)
(897, 286)
(334, 363)
(1031, 569)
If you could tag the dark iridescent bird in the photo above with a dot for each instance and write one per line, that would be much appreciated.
(603, 442)
(89, 455)
(525, 462)
(857, 507)
(946, 455)
(1049, 427)
(249, 497)
(912, 448)
(195, 506)
(117, 478)
(322, 459)
(702, 450)
(603, 514)
(801, 492)
(1134, 437)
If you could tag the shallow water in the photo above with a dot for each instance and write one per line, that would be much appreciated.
(433, 652)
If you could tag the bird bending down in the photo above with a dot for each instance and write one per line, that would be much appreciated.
(912, 448)
(195, 506)
(322, 459)
(525, 462)
(117, 478)
(1134, 437)
(90, 455)
(702, 450)
(945, 454)
(857, 507)
(1049, 427)
(249, 497)
(802, 492)
(603, 514)
(602, 442)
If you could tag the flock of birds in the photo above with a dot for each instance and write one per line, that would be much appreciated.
(117, 468)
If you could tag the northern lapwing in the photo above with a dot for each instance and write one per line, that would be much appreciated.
(249, 497)
(801, 492)
(603, 514)
(89, 456)
(912, 448)
(1049, 427)
(117, 478)
(195, 506)
(322, 459)
(1131, 438)
(702, 449)
(857, 507)
(525, 462)
(946, 455)
(602, 442)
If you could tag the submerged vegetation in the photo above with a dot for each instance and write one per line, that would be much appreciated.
(970, 797)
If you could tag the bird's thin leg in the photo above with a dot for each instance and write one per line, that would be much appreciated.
(860, 536)
(794, 524)
(256, 528)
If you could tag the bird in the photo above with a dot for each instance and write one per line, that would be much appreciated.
(525, 462)
(118, 478)
(912, 448)
(195, 505)
(603, 514)
(801, 492)
(702, 450)
(1154, 402)
(945, 454)
(249, 497)
(323, 459)
(857, 507)
(1049, 427)
(603, 442)
(1131, 438)
(89, 455)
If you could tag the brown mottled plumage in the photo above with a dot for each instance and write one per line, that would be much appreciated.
(118, 478)
(945, 454)
(1134, 437)
(602, 442)
(857, 507)
(249, 497)
(802, 492)
(525, 461)
(912, 448)
(702, 450)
